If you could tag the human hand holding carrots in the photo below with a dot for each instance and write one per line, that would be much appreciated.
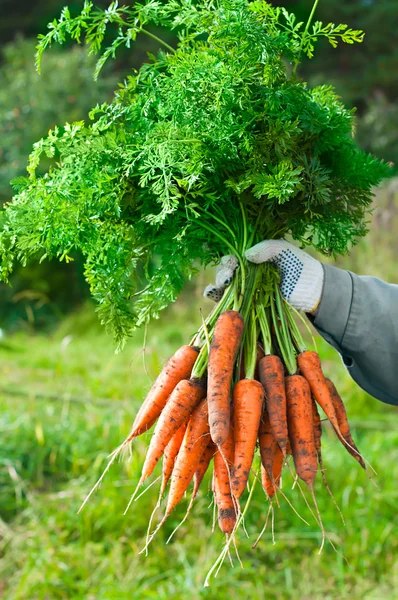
(302, 275)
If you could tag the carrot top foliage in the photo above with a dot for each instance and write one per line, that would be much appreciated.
(219, 127)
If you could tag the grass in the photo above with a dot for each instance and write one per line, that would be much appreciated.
(66, 401)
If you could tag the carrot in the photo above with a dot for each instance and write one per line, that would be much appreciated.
(271, 456)
(277, 468)
(177, 411)
(272, 377)
(180, 404)
(196, 438)
(170, 454)
(204, 463)
(267, 442)
(188, 459)
(267, 484)
(317, 425)
(223, 460)
(248, 399)
(223, 350)
(310, 366)
(301, 436)
(343, 424)
(260, 355)
(178, 367)
(317, 428)
(271, 484)
(300, 425)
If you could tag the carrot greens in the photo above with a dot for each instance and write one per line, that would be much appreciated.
(154, 184)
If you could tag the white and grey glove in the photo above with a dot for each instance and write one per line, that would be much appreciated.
(225, 274)
(301, 275)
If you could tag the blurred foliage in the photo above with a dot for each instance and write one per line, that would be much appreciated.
(378, 128)
(364, 75)
(31, 104)
(30, 17)
(356, 71)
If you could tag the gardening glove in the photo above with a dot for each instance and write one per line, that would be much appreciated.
(225, 274)
(301, 275)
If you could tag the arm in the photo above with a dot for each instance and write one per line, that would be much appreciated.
(359, 317)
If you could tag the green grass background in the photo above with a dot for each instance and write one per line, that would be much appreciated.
(66, 401)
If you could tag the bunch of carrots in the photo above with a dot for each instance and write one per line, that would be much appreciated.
(246, 380)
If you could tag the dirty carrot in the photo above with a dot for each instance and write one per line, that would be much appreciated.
(301, 434)
(195, 440)
(317, 428)
(311, 369)
(260, 355)
(223, 461)
(271, 483)
(272, 377)
(170, 454)
(223, 350)
(204, 463)
(177, 411)
(178, 367)
(248, 399)
(207, 456)
(267, 442)
(343, 424)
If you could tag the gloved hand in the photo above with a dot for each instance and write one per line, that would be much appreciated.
(225, 274)
(301, 275)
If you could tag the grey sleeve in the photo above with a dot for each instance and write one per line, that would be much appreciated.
(359, 317)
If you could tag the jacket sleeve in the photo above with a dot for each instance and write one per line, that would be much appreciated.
(359, 317)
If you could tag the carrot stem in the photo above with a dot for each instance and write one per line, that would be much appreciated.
(294, 330)
(244, 242)
(250, 348)
(284, 340)
(265, 329)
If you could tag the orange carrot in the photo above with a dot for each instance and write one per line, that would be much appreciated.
(223, 460)
(196, 438)
(170, 454)
(248, 399)
(272, 377)
(343, 424)
(270, 484)
(204, 463)
(178, 367)
(177, 411)
(310, 366)
(267, 484)
(188, 459)
(202, 467)
(301, 433)
(223, 350)
(277, 468)
(317, 427)
(267, 443)
(260, 355)
(271, 456)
